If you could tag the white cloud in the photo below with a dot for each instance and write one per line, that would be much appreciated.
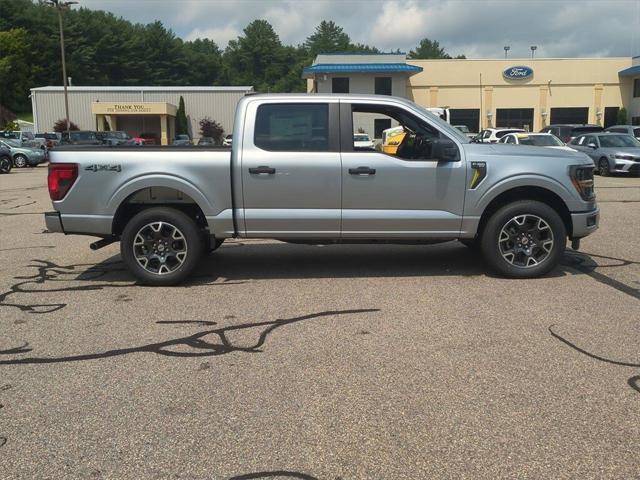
(219, 35)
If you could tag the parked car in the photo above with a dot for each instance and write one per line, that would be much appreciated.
(139, 141)
(361, 141)
(464, 129)
(150, 138)
(22, 137)
(23, 155)
(535, 139)
(115, 137)
(80, 137)
(633, 130)
(206, 141)
(610, 152)
(5, 159)
(298, 182)
(228, 140)
(50, 140)
(182, 140)
(568, 132)
(492, 135)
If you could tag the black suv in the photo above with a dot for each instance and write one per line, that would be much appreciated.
(567, 132)
(80, 137)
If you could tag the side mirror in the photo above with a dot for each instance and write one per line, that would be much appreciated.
(445, 150)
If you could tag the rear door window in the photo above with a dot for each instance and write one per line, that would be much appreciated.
(294, 127)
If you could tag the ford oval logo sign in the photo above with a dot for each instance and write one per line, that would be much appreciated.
(518, 73)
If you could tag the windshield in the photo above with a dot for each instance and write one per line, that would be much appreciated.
(462, 128)
(541, 141)
(12, 143)
(361, 138)
(609, 141)
(83, 135)
(442, 125)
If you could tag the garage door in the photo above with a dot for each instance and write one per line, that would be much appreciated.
(466, 116)
(570, 115)
(515, 118)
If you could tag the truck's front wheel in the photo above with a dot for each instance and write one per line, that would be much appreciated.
(524, 239)
(161, 246)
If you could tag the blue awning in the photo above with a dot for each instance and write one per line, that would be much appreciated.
(360, 68)
(630, 71)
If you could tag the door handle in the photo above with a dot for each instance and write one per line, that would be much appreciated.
(362, 171)
(262, 169)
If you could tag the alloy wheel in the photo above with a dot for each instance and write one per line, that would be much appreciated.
(160, 248)
(603, 167)
(20, 161)
(525, 241)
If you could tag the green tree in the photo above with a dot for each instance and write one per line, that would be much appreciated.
(61, 126)
(182, 126)
(327, 37)
(211, 128)
(14, 69)
(256, 58)
(623, 116)
(428, 49)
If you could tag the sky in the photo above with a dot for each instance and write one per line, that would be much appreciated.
(475, 28)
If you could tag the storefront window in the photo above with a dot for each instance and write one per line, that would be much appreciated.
(636, 87)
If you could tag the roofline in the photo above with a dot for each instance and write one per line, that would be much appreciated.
(512, 59)
(361, 53)
(56, 88)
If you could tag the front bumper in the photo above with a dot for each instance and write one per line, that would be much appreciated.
(585, 223)
(53, 222)
(625, 166)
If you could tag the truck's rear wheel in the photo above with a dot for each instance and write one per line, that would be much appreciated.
(524, 239)
(161, 246)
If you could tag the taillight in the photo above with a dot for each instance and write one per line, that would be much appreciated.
(61, 178)
(582, 179)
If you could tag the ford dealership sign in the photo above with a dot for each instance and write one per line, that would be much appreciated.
(518, 73)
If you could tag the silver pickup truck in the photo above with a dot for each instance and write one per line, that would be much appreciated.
(294, 174)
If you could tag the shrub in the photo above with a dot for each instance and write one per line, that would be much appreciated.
(211, 128)
(61, 126)
(622, 116)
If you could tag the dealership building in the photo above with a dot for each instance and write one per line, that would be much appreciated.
(136, 110)
(513, 92)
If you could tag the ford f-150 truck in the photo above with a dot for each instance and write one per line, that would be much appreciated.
(294, 174)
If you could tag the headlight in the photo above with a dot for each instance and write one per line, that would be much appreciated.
(623, 156)
(582, 179)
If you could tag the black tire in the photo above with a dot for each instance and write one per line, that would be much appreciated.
(544, 259)
(20, 161)
(5, 164)
(191, 244)
(603, 167)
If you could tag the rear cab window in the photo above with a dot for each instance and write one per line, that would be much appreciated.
(293, 127)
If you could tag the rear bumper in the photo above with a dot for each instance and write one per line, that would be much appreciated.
(53, 222)
(585, 223)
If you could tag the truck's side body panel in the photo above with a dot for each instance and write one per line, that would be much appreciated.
(108, 177)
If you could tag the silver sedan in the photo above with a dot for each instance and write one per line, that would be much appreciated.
(610, 152)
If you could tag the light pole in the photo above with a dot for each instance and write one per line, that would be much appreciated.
(506, 49)
(59, 6)
(533, 49)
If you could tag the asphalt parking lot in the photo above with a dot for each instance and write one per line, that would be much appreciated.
(303, 362)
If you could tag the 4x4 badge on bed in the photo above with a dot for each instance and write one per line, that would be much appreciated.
(104, 168)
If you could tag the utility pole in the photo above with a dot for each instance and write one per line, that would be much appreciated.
(533, 49)
(59, 6)
(506, 49)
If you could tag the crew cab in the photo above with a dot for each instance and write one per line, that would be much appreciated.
(293, 174)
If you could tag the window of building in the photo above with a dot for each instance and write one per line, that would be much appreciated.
(570, 115)
(466, 116)
(379, 125)
(515, 118)
(635, 120)
(610, 116)
(383, 85)
(340, 85)
(636, 87)
(282, 127)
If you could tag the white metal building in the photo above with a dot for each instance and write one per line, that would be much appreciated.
(136, 109)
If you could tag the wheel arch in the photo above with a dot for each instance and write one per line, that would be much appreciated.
(158, 196)
(535, 193)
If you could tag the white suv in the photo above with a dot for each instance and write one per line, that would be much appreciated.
(492, 135)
